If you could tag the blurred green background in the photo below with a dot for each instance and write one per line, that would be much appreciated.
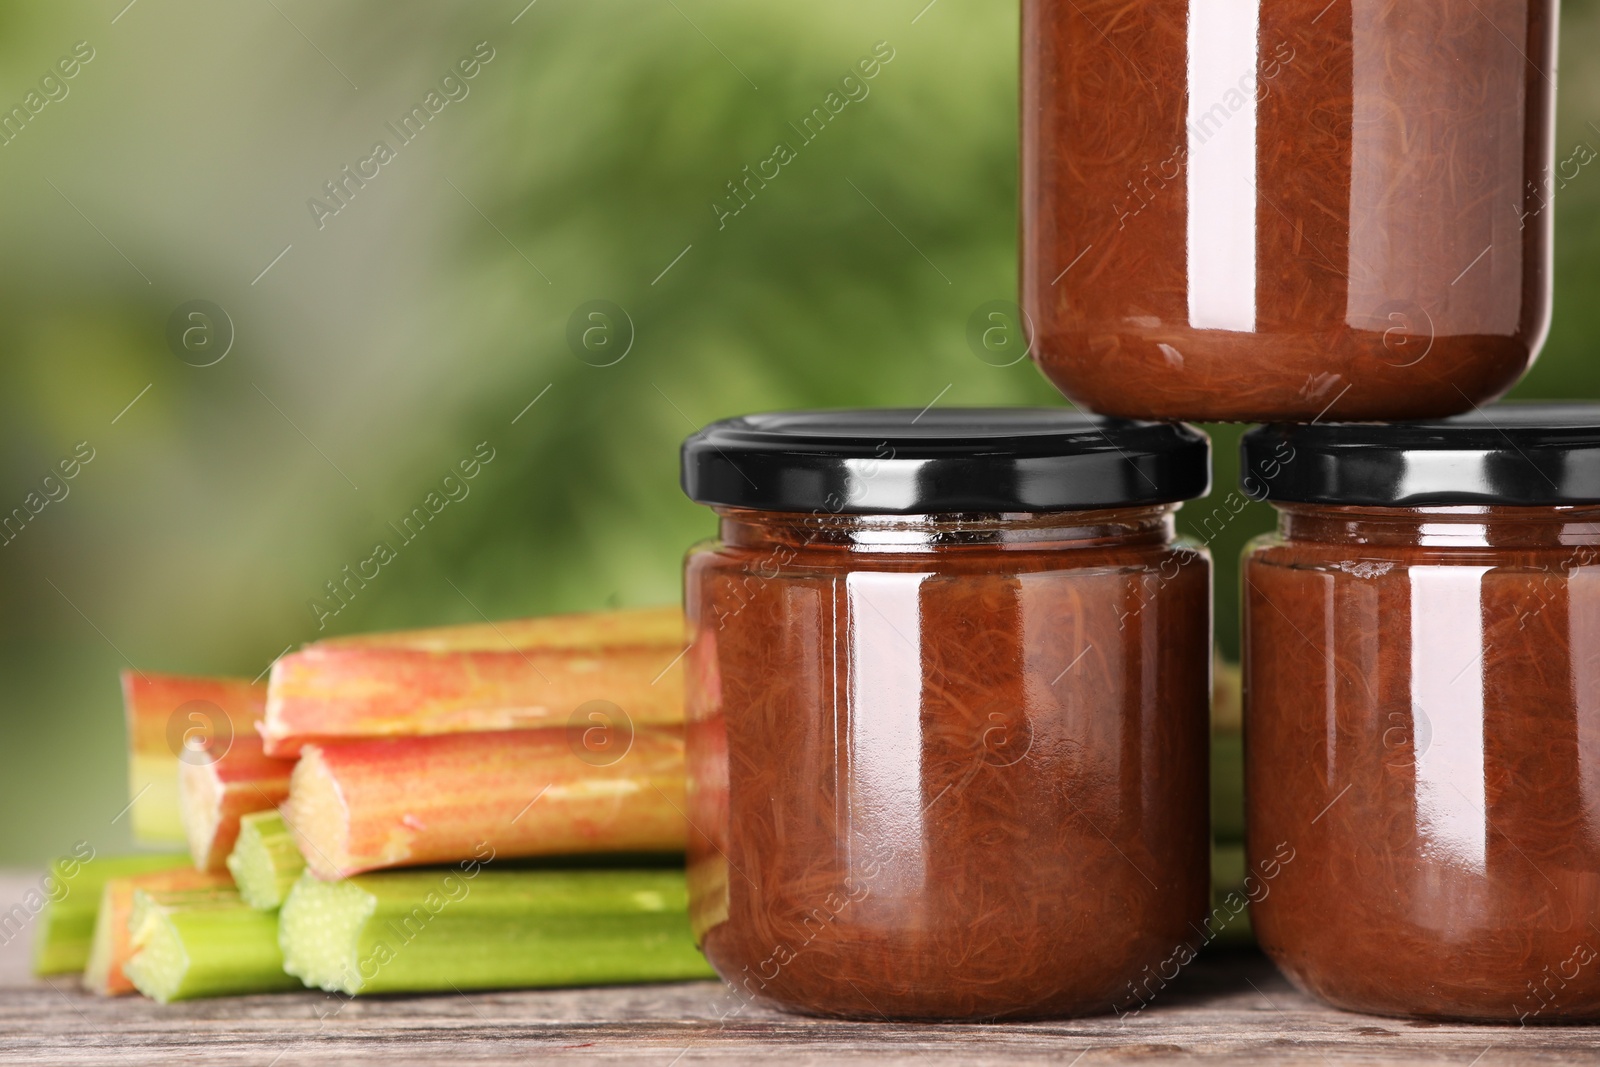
(423, 318)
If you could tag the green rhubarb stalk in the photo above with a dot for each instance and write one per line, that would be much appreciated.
(1228, 924)
(113, 932)
(150, 904)
(265, 861)
(210, 944)
(1227, 786)
(68, 900)
(415, 931)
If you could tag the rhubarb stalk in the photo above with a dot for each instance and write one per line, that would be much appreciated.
(166, 714)
(365, 805)
(518, 674)
(265, 861)
(416, 931)
(209, 945)
(69, 900)
(217, 793)
(1227, 754)
(105, 972)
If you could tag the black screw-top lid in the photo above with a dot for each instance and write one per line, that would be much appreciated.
(943, 460)
(1518, 454)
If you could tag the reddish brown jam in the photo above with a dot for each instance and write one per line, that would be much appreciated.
(1422, 728)
(948, 767)
(1259, 210)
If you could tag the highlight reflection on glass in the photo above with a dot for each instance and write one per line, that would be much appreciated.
(1447, 697)
(1222, 163)
(884, 792)
(1583, 617)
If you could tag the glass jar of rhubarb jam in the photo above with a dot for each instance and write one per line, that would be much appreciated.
(1422, 712)
(947, 711)
(1260, 210)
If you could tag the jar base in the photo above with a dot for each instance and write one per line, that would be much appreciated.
(1502, 1010)
(1338, 381)
(936, 1015)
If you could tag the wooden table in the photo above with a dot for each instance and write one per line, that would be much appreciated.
(1226, 1008)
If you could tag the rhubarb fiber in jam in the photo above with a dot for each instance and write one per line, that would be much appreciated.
(1259, 210)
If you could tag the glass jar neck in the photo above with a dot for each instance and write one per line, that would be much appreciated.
(1150, 525)
(1465, 526)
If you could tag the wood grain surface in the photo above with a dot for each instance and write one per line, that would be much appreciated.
(1226, 1008)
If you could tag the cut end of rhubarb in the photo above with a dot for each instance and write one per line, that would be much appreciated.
(98, 976)
(205, 946)
(200, 803)
(319, 931)
(318, 816)
(157, 970)
(265, 861)
(214, 796)
(121, 915)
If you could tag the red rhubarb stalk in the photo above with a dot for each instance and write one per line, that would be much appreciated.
(363, 805)
(215, 795)
(168, 714)
(518, 674)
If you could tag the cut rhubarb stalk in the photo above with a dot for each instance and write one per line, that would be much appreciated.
(68, 901)
(216, 794)
(105, 972)
(1228, 925)
(213, 945)
(1227, 754)
(365, 805)
(523, 673)
(1227, 696)
(265, 861)
(159, 724)
(475, 928)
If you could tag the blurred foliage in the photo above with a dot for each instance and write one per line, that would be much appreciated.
(426, 315)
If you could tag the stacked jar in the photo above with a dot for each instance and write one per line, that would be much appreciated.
(949, 669)
(1262, 210)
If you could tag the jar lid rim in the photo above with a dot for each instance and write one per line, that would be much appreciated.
(1528, 454)
(902, 461)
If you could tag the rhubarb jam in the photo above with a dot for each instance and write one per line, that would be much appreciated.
(1259, 210)
(1422, 712)
(948, 694)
